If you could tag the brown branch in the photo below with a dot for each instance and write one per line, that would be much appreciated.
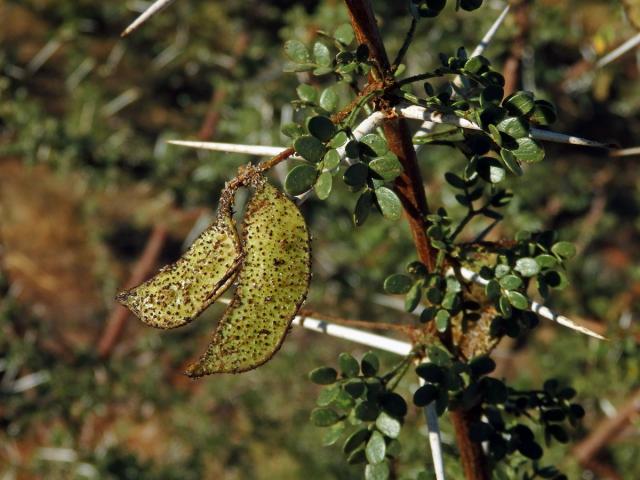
(512, 66)
(117, 320)
(409, 187)
(607, 431)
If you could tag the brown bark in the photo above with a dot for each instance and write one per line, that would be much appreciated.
(117, 320)
(409, 187)
(512, 66)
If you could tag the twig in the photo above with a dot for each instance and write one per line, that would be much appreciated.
(116, 322)
(511, 70)
(405, 45)
(156, 7)
(607, 430)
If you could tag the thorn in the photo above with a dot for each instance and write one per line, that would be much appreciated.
(146, 15)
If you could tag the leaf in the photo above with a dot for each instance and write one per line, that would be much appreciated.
(519, 103)
(376, 448)
(333, 434)
(476, 64)
(272, 284)
(376, 143)
(388, 425)
(324, 417)
(300, 179)
(310, 148)
(528, 151)
(348, 365)
(331, 159)
(178, 293)
(510, 161)
(321, 54)
(323, 185)
(470, 5)
(369, 364)
(514, 126)
(344, 34)
(377, 472)
(355, 176)
(307, 93)
(328, 99)
(442, 320)
(323, 376)
(527, 266)
(397, 284)
(490, 170)
(322, 128)
(363, 207)
(543, 113)
(425, 395)
(389, 203)
(388, 167)
(356, 439)
(510, 282)
(297, 51)
(517, 299)
(546, 261)
(564, 249)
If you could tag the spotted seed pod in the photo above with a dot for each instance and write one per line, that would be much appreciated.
(272, 284)
(181, 291)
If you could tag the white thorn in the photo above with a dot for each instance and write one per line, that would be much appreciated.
(625, 152)
(618, 52)
(258, 150)
(146, 15)
(352, 334)
(416, 112)
(435, 440)
(486, 40)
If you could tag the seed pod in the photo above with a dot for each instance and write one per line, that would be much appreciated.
(272, 284)
(180, 292)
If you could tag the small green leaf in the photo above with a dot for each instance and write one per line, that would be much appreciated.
(328, 395)
(388, 166)
(366, 411)
(510, 282)
(439, 356)
(323, 185)
(379, 471)
(454, 180)
(300, 179)
(328, 99)
(510, 161)
(333, 434)
(442, 320)
(517, 299)
(363, 207)
(388, 425)
(470, 5)
(355, 176)
(324, 417)
(344, 34)
(322, 128)
(544, 113)
(369, 364)
(564, 250)
(307, 93)
(376, 448)
(389, 203)
(413, 297)
(292, 130)
(296, 51)
(425, 395)
(376, 143)
(309, 148)
(356, 439)
(331, 159)
(323, 375)
(476, 64)
(354, 387)
(338, 140)
(519, 103)
(528, 151)
(349, 366)
(490, 170)
(527, 266)
(491, 94)
(397, 284)
(321, 54)
(514, 126)
(481, 365)
(492, 290)
(546, 261)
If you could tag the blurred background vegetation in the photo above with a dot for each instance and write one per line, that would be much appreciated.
(86, 179)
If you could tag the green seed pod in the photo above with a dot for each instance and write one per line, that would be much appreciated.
(180, 292)
(272, 284)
